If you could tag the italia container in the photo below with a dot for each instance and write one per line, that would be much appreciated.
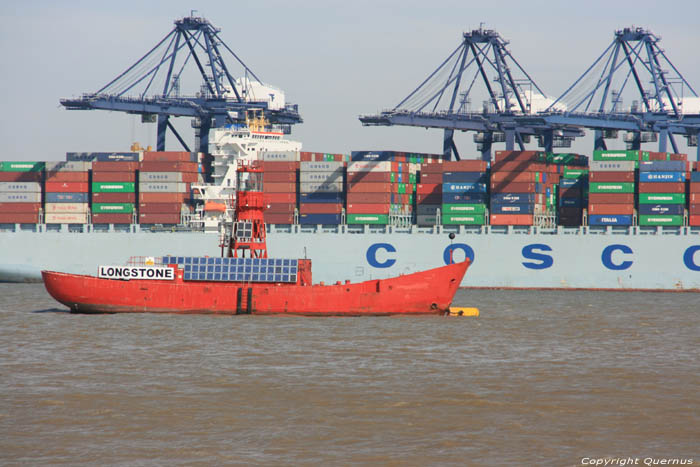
(610, 219)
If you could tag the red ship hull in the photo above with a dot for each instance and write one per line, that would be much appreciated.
(426, 292)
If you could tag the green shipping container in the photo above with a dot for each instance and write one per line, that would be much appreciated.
(463, 208)
(412, 178)
(21, 166)
(113, 187)
(463, 219)
(116, 208)
(660, 220)
(368, 219)
(611, 187)
(620, 155)
(575, 173)
(661, 198)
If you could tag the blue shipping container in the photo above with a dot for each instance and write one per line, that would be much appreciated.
(571, 202)
(662, 166)
(321, 197)
(510, 208)
(517, 198)
(695, 177)
(464, 177)
(615, 219)
(464, 198)
(102, 156)
(464, 188)
(668, 209)
(66, 198)
(661, 176)
(372, 155)
(319, 218)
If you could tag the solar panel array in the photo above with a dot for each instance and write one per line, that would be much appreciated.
(198, 268)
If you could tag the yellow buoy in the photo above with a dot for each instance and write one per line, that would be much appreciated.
(463, 311)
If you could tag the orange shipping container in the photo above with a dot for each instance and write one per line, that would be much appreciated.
(372, 188)
(694, 221)
(465, 166)
(66, 187)
(279, 187)
(114, 197)
(512, 187)
(111, 218)
(280, 208)
(147, 218)
(661, 187)
(611, 198)
(160, 208)
(277, 177)
(610, 209)
(167, 156)
(320, 208)
(27, 208)
(425, 188)
(19, 218)
(20, 176)
(511, 219)
(516, 177)
(374, 208)
(279, 166)
(521, 166)
(371, 198)
(611, 177)
(369, 177)
(270, 198)
(431, 167)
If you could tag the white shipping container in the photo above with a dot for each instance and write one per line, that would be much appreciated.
(320, 166)
(20, 197)
(285, 156)
(611, 166)
(163, 187)
(68, 166)
(57, 208)
(321, 177)
(149, 177)
(66, 218)
(20, 187)
(313, 187)
(369, 166)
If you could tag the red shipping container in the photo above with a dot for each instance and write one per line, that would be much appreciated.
(661, 187)
(513, 187)
(611, 177)
(432, 198)
(270, 198)
(370, 187)
(66, 187)
(160, 197)
(611, 198)
(113, 176)
(516, 177)
(279, 166)
(465, 166)
(67, 177)
(19, 218)
(167, 166)
(279, 187)
(374, 208)
(320, 208)
(694, 221)
(695, 197)
(431, 167)
(304, 157)
(147, 218)
(511, 219)
(609, 209)
(425, 188)
(114, 166)
(160, 208)
(520, 166)
(114, 197)
(167, 156)
(280, 208)
(694, 209)
(6, 208)
(657, 156)
(509, 156)
(271, 218)
(369, 198)
(570, 192)
(369, 177)
(20, 176)
(430, 178)
(111, 218)
(276, 177)
(694, 187)
(678, 157)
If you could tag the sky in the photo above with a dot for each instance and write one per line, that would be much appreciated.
(335, 59)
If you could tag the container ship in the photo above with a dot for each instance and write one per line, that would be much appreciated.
(618, 220)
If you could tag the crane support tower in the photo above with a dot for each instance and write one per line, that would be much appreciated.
(153, 86)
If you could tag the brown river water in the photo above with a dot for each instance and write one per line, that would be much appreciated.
(540, 378)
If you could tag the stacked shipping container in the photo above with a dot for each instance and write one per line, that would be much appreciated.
(281, 177)
(573, 195)
(662, 180)
(694, 198)
(66, 199)
(429, 193)
(321, 192)
(165, 180)
(464, 192)
(20, 192)
(114, 188)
